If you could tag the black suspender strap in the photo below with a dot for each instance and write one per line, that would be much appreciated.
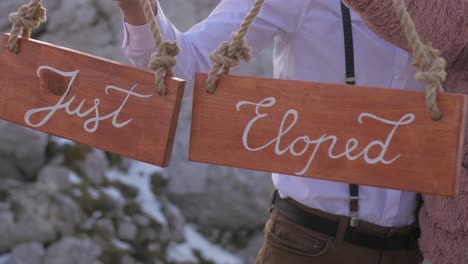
(354, 205)
(350, 80)
(349, 46)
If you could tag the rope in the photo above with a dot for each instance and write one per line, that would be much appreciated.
(24, 21)
(162, 61)
(430, 67)
(229, 55)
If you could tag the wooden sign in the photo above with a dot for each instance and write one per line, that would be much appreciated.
(361, 135)
(89, 100)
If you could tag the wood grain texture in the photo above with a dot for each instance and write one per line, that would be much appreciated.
(421, 156)
(117, 101)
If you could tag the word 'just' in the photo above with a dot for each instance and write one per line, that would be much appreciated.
(92, 123)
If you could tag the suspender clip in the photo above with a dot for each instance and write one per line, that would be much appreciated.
(353, 211)
(354, 221)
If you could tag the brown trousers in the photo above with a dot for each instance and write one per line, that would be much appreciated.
(286, 242)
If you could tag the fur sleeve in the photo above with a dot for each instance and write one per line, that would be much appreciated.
(444, 23)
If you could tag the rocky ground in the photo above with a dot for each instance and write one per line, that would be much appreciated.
(65, 203)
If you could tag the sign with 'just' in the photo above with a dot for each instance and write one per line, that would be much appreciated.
(90, 100)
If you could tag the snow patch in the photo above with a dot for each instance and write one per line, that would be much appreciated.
(195, 241)
(114, 193)
(139, 176)
(74, 179)
(94, 193)
(61, 141)
(91, 220)
(76, 193)
(119, 244)
(5, 259)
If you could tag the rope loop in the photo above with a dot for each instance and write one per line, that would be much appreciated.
(162, 61)
(28, 17)
(431, 71)
(162, 64)
(230, 54)
(429, 66)
(238, 48)
(219, 56)
(226, 56)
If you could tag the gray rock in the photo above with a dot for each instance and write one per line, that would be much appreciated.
(7, 220)
(71, 250)
(154, 247)
(104, 227)
(5, 193)
(24, 147)
(114, 195)
(215, 195)
(164, 234)
(37, 216)
(250, 252)
(61, 212)
(6, 6)
(9, 171)
(32, 228)
(127, 260)
(5, 206)
(29, 253)
(89, 223)
(5, 259)
(175, 220)
(152, 235)
(94, 167)
(141, 220)
(229, 198)
(16, 232)
(96, 24)
(127, 231)
(54, 178)
(56, 160)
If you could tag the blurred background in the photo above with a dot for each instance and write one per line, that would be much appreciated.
(66, 203)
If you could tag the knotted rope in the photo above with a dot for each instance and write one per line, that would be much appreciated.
(230, 54)
(430, 67)
(27, 18)
(162, 61)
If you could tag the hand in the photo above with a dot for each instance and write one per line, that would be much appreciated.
(132, 11)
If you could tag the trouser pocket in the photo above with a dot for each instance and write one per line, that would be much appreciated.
(288, 236)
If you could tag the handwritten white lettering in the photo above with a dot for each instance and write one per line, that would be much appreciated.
(301, 145)
(91, 125)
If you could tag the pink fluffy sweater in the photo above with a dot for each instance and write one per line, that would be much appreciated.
(444, 23)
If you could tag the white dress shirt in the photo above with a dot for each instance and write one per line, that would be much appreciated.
(309, 45)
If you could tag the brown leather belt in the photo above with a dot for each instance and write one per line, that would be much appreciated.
(330, 228)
